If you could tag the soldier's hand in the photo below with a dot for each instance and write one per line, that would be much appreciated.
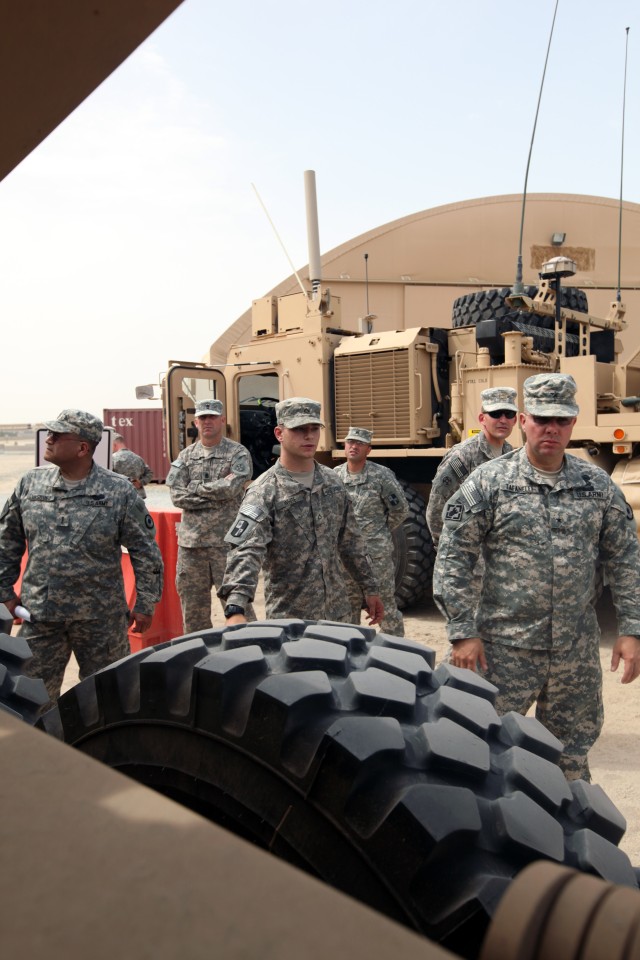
(375, 609)
(11, 605)
(140, 621)
(468, 654)
(628, 650)
(236, 618)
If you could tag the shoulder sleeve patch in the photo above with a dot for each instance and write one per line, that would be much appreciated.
(471, 494)
(249, 516)
(141, 514)
(454, 512)
(619, 502)
(172, 476)
(464, 503)
(458, 467)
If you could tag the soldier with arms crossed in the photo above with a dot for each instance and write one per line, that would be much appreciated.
(207, 482)
(542, 521)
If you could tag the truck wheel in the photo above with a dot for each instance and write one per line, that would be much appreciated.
(22, 696)
(490, 305)
(414, 552)
(345, 753)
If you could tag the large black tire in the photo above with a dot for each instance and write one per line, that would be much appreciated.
(414, 552)
(345, 753)
(19, 695)
(491, 305)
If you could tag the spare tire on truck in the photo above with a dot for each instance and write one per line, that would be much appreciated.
(347, 754)
(473, 308)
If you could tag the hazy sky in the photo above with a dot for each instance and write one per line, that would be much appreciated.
(132, 235)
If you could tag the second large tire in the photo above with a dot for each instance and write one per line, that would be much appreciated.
(347, 754)
(491, 305)
(414, 552)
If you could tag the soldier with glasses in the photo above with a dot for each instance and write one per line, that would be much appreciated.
(497, 419)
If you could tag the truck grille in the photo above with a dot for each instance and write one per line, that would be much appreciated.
(372, 391)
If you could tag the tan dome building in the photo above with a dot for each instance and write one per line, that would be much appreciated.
(420, 264)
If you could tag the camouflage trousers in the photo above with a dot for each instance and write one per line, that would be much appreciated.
(95, 644)
(385, 573)
(566, 686)
(198, 570)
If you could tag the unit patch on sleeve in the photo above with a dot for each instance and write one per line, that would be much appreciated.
(248, 518)
(453, 511)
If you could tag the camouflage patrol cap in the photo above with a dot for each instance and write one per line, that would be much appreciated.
(499, 398)
(77, 421)
(209, 408)
(551, 395)
(298, 412)
(360, 434)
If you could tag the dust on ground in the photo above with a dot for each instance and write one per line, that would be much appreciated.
(615, 759)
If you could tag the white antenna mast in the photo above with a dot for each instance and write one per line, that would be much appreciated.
(313, 233)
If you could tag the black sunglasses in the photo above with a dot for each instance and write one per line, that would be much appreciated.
(497, 414)
(543, 421)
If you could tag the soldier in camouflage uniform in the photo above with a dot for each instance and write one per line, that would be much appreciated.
(542, 521)
(380, 506)
(74, 518)
(129, 464)
(497, 419)
(207, 482)
(297, 520)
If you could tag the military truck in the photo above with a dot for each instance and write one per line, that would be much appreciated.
(418, 389)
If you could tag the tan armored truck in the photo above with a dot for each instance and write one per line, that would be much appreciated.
(418, 389)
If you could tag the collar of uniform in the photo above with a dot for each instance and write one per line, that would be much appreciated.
(57, 480)
(574, 472)
(200, 452)
(565, 479)
(358, 477)
(487, 448)
(284, 475)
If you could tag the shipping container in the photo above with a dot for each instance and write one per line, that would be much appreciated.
(143, 433)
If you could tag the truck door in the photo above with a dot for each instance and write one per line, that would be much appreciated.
(184, 385)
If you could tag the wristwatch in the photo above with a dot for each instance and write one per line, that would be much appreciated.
(233, 610)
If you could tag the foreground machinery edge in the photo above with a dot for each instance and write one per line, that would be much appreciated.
(96, 865)
(108, 840)
(347, 754)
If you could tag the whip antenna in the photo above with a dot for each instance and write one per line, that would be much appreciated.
(367, 320)
(273, 226)
(518, 288)
(624, 98)
(366, 281)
